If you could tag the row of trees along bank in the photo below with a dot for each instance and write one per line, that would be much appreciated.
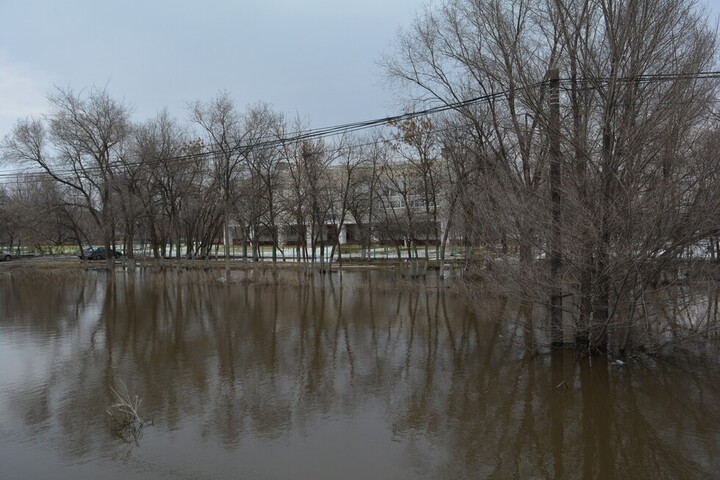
(248, 175)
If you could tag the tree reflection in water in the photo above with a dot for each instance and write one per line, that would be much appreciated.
(262, 378)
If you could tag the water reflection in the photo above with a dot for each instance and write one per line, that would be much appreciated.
(360, 378)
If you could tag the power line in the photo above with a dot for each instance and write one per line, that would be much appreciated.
(589, 83)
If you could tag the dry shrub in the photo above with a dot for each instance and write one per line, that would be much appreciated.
(124, 412)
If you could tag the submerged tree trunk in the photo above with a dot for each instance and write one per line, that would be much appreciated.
(556, 326)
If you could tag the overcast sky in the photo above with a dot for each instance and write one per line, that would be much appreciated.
(317, 58)
(314, 57)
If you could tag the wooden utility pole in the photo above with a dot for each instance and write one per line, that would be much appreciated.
(556, 326)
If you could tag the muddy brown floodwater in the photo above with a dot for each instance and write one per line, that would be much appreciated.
(359, 379)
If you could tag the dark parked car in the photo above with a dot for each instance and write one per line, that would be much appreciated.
(5, 257)
(97, 253)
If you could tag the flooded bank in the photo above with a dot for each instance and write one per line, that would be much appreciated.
(370, 377)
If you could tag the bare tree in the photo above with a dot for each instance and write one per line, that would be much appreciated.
(470, 49)
(294, 194)
(169, 164)
(462, 188)
(309, 192)
(632, 187)
(77, 145)
(363, 202)
(263, 127)
(345, 185)
(222, 125)
(316, 165)
(38, 212)
(416, 144)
